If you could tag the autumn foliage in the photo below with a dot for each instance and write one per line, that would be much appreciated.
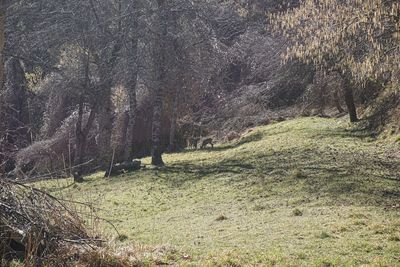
(361, 37)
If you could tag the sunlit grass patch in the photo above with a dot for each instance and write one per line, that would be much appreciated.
(306, 192)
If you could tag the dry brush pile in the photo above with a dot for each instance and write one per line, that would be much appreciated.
(37, 227)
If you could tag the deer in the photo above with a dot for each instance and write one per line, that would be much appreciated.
(193, 141)
(207, 141)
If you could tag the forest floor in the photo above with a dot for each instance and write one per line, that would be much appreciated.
(305, 192)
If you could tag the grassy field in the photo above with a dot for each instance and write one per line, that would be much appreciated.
(306, 192)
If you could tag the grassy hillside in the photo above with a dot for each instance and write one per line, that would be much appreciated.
(306, 192)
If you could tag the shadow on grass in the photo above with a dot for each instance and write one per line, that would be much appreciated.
(338, 175)
(179, 174)
(365, 181)
(359, 130)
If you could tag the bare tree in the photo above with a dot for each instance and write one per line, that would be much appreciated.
(2, 38)
(160, 79)
(132, 55)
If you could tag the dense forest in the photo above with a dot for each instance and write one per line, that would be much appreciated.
(126, 87)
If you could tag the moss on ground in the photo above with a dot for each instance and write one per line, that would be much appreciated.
(346, 187)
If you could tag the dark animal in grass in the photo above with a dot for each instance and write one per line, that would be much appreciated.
(121, 168)
(206, 142)
(193, 141)
(77, 177)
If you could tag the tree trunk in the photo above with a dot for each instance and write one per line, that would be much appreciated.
(179, 52)
(336, 101)
(15, 113)
(349, 98)
(130, 141)
(132, 53)
(16, 99)
(160, 61)
(322, 84)
(3, 127)
(105, 117)
(80, 131)
(172, 131)
(105, 110)
(156, 152)
(2, 39)
(81, 138)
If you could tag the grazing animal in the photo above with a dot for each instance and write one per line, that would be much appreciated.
(193, 141)
(206, 142)
(77, 177)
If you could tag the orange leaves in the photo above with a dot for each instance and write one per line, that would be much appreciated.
(357, 35)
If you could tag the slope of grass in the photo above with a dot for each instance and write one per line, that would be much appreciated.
(306, 192)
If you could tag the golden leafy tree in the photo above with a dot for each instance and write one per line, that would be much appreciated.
(358, 38)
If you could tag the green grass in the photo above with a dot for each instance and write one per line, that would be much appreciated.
(306, 192)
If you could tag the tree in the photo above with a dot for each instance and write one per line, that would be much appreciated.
(82, 131)
(15, 112)
(88, 50)
(184, 46)
(359, 39)
(2, 38)
(160, 79)
(132, 57)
